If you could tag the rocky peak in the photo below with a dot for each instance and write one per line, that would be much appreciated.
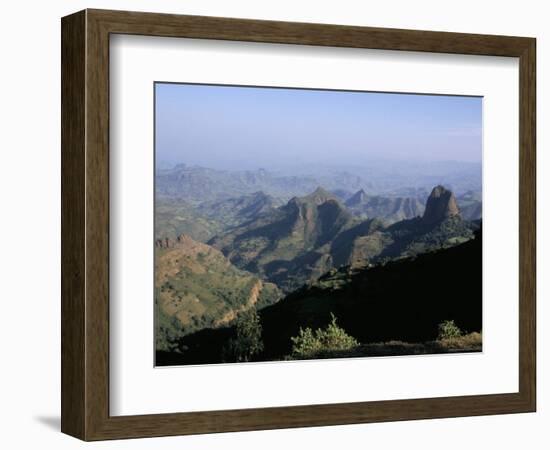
(358, 198)
(319, 196)
(441, 204)
(316, 198)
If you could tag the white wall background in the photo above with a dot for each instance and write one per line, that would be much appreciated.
(30, 221)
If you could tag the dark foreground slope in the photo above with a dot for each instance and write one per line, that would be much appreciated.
(402, 300)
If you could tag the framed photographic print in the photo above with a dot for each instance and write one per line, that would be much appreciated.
(272, 224)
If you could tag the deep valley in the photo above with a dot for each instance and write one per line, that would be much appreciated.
(253, 266)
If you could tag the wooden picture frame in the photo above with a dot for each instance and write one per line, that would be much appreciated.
(85, 224)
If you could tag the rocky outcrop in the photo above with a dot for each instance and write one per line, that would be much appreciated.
(359, 198)
(164, 243)
(441, 205)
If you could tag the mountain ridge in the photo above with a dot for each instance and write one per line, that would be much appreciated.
(389, 209)
(198, 184)
(309, 235)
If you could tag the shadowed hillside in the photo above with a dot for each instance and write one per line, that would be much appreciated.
(286, 245)
(298, 242)
(402, 300)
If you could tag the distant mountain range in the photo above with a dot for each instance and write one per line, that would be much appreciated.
(470, 205)
(198, 184)
(389, 209)
(388, 179)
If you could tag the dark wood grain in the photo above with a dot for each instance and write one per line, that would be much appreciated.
(85, 224)
(97, 225)
(151, 24)
(527, 224)
(73, 228)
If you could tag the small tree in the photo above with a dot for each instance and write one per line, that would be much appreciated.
(448, 330)
(309, 344)
(305, 343)
(248, 340)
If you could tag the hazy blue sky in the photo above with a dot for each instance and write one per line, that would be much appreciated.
(246, 127)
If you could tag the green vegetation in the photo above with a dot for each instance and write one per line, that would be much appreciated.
(168, 331)
(465, 342)
(198, 288)
(468, 343)
(248, 340)
(309, 344)
(222, 300)
(269, 294)
(174, 217)
(334, 342)
(448, 330)
(295, 244)
(291, 245)
(452, 338)
(451, 231)
(232, 212)
(412, 238)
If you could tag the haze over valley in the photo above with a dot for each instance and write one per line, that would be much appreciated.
(300, 224)
(224, 248)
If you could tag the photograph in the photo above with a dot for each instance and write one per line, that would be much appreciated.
(274, 225)
(300, 224)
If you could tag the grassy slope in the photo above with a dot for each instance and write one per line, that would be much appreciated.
(197, 286)
(174, 217)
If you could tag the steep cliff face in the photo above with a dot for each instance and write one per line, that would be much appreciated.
(441, 205)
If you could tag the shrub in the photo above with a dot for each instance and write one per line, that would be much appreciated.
(168, 332)
(309, 344)
(448, 330)
(470, 341)
(248, 340)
